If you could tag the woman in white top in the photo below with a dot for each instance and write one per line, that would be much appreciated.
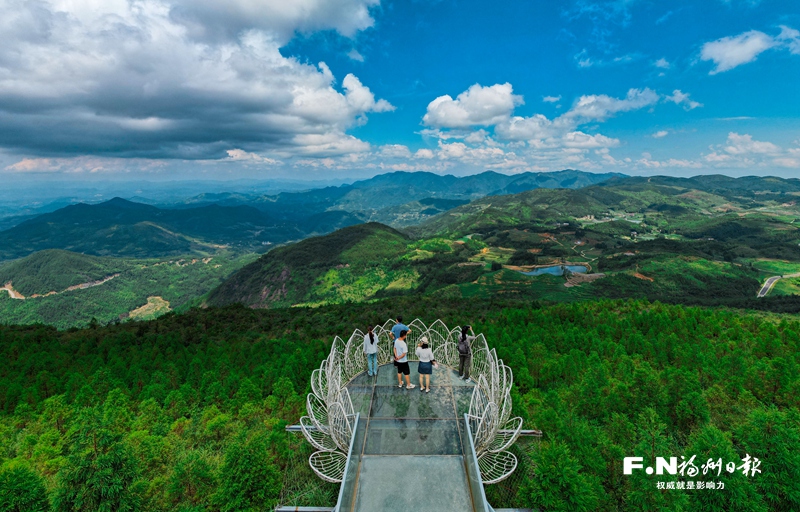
(425, 367)
(371, 351)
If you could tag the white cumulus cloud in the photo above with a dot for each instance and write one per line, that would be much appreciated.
(744, 144)
(240, 155)
(681, 98)
(477, 106)
(743, 151)
(790, 38)
(730, 52)
(599, 107)
(355, 55)
(585, 141)
(212, 19)
(395, 151)
(662, 63)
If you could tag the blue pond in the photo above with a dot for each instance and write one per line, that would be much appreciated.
(557, 270)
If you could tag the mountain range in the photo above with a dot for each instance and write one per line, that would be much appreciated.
(207, 222)
(682, 240)
(707, 238)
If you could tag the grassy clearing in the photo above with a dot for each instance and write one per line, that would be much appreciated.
(155, 306)
(776, 267)
(790, 286)
(489, 255)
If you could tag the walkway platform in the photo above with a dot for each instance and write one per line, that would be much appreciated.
(392, 448)
(409, 445)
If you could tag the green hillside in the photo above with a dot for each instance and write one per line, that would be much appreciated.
(126, 229)
(351, 264)
(56, 270)
(65, 289)
(645, 238)
(669, 204)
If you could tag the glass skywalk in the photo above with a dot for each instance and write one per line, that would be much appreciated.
(401, 449)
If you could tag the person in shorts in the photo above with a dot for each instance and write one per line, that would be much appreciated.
(401, 358)
(396, 330)
(426, 362)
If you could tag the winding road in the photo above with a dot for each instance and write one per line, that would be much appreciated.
(769, 283)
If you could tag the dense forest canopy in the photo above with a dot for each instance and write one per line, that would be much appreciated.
(186, 412)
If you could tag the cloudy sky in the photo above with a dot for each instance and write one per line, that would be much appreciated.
(320, 89)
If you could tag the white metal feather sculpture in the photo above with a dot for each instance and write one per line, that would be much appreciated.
(331, 417)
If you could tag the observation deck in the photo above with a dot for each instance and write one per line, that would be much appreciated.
(397, 449)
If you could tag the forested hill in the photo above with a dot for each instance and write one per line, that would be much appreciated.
(124, 228)
(309, 270)
(676, 199)
(57, 270)
(187, 412)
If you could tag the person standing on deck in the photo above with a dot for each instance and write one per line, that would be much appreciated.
(426, 362)
(401, 358)
(399, 326)
(396, 330)
(465, 352)
(371, 351)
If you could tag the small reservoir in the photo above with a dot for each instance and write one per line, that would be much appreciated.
(556, 270)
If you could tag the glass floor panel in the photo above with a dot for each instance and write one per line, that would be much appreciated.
(462, 396)
(362, 379)
(455, 380)
(361, 396)
(442, 376)
(393, 402)
(387, 374)
(413, 437)
(412, 484)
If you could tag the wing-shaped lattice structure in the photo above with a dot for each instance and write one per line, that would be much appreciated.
(496, 467)
(318, 439)
(329, 466)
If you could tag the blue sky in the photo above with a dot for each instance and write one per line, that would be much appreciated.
(322, 89)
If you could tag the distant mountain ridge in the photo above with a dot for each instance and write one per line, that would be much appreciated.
(201, 225)
(123, 228)
(687, 197)
(394, 198)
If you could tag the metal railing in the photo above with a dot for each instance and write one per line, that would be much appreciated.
(474, 480)
(347, 491)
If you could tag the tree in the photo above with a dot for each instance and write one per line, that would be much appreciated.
(740, 492)
(773, 437)
(100, 470)
(21, 488)
(250, 479)
(560, 485)
(193, 480)
(651, 442)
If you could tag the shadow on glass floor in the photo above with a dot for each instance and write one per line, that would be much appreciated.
(392, 402)
(387, 376)
(413, 437)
